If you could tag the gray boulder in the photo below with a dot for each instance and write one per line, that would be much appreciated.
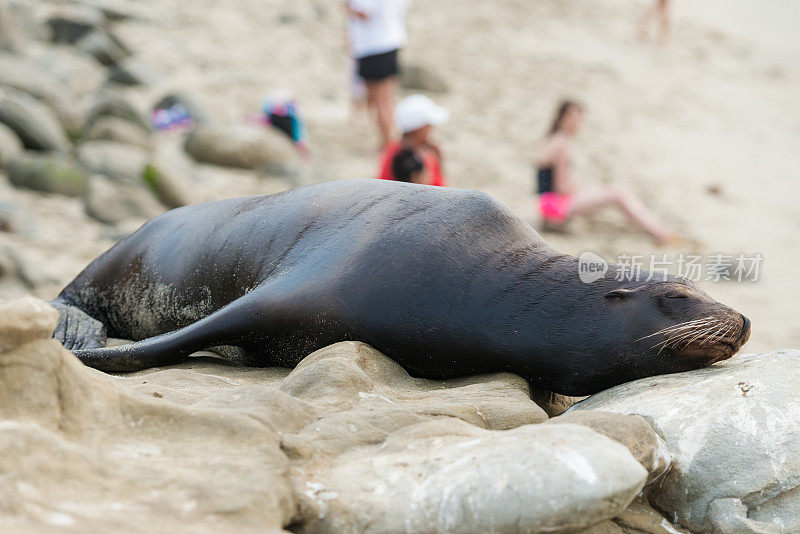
(71, 22)
(168, 177)
(31, 78)
(112, 128)
(120, 162)
(79, 74)
(247, 147)
(732, 431)
(119, 10)
(20, 26)
(453, 477)
(10, 145)
(104, 46)
(111, 103)
(33, 122)
(12, 217)
(12, 36)
(629, 430)
(47, 173)
(86, 452)
(110, 202)
(132, 71)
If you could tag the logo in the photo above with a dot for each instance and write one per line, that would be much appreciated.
(591, 267)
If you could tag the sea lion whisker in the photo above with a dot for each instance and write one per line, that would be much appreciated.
(725, 327)
(675, 339)
(694, 333)
(677, 334)
(711, 336)
(699, 335)
(681, 326)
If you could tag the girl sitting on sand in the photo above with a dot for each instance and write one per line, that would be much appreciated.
(560, 198)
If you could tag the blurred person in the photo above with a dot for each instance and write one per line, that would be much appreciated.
(407, 166)
(659, 12)
(417, 116)
(560, 198)
(376, 31)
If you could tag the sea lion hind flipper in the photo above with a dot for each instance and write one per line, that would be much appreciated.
(77, 329)
(222, 327)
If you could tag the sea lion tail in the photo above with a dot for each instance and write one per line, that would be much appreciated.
(77, 329)
(222, 327)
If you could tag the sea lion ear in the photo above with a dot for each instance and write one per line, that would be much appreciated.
(619, 293)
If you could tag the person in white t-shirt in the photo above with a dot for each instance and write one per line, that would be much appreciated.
(376, 30)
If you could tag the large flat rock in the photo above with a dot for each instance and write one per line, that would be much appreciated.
(733, 431)
(346, 442)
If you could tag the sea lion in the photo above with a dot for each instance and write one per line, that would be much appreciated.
(448, 282)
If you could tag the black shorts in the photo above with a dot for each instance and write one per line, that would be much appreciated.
(379, 66)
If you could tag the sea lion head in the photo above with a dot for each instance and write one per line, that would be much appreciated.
(641, 329)
(672, 325)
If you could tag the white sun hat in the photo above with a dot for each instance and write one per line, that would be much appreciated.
(416, 111)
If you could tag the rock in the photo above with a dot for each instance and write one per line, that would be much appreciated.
(79, 73)
(730, 516)
(8, 267)
(10, 145)
(345, 442)
(113, 104)
(247, 147)
(553, 403)
(420, 78)
(448, 476)
(30, 273)
(47, 173)
(167, 178)
(11, 217)
(28, 320)
(34, 123)
(131, 71)
(112, 128)
(119, 10)
(19, 26)
(629, 430)
(110, 202)
(29, 77)
(732, 432)
(120, 162)
(81, 452)
(12, 36)
(72, 22)
(639, 517)
(104, 46)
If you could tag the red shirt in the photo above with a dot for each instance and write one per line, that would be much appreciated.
(428, 158)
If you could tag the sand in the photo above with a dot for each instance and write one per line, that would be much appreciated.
(715, 107)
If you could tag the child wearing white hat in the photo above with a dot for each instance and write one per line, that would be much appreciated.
(417, 116)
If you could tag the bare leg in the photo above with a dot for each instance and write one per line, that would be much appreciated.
(381, 98)
(591, 200)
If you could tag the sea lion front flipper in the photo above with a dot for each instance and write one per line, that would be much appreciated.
(226, 326)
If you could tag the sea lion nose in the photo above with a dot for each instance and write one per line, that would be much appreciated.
(744, 335)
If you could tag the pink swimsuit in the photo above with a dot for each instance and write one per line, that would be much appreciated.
(555, 207)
